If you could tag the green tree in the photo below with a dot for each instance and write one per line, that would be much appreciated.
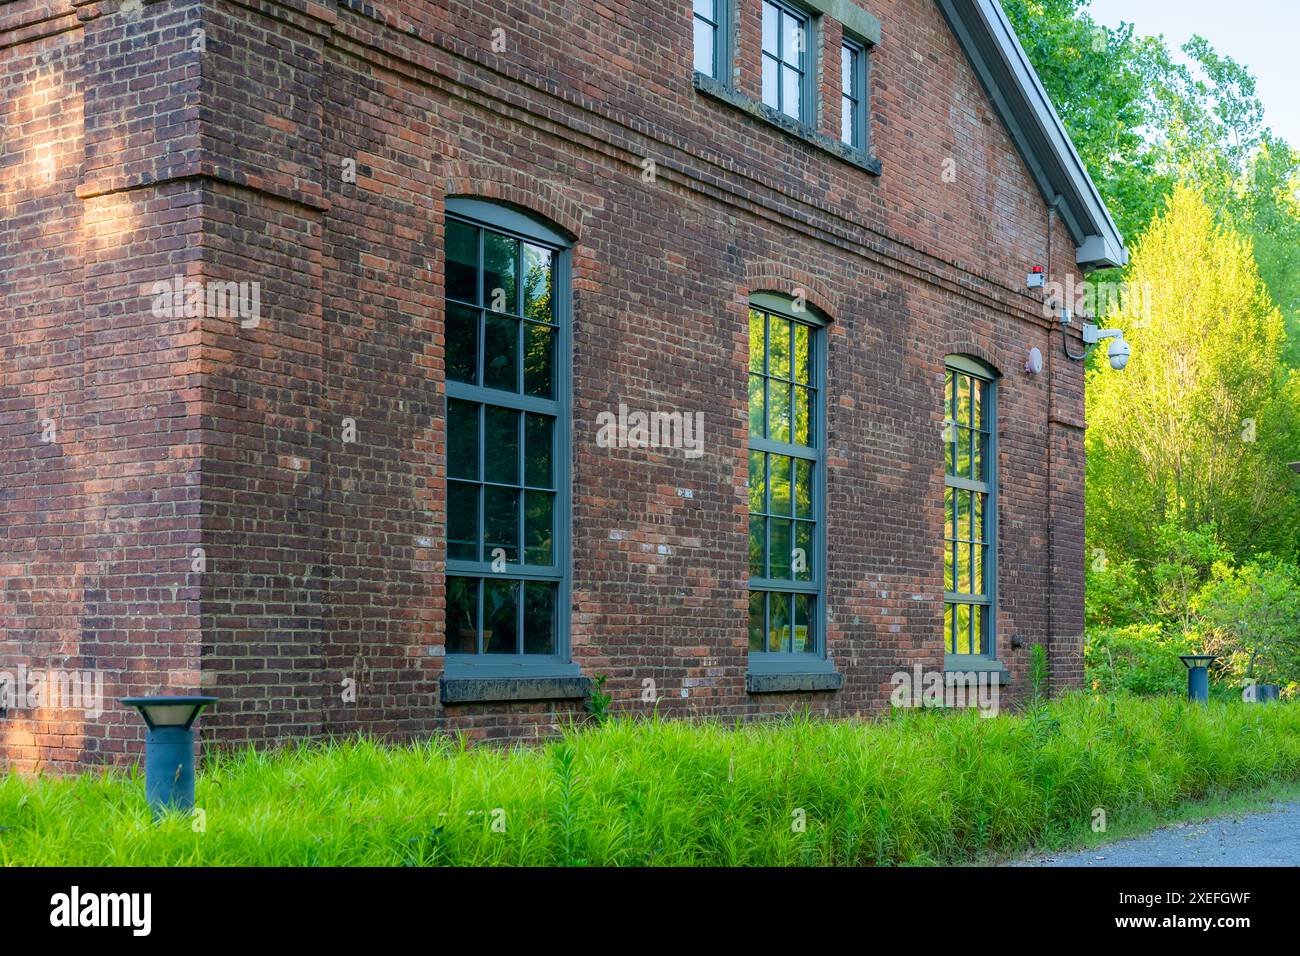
(1198, 428)
(1252, 618)
(1143, 122)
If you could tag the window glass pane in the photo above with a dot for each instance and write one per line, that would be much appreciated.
(977, 524)
(963, 568)
(846, 121)
(977, 399)
(949, 643)
(790, 104)
(977, 568)
(964, 515)
(538, 546)
(963, 452)
(462, 344)
(704, 48)
(779, 635)
(801, 560)
(462, 261)
(756, 622)
(778, 395)
(846, 70)
(757, 482)
(756, 340)
(500, 617)
(757, 545)
(793, 40)
(462, 439)
(949, 499)
(756, 405)
(803, 488)
(500, 262)
(537, 282)
(501, 523)
(462, 521)
(804, 642)
(537, 451)
(803, 423)
(779, 532)
(539, 617)
(501, 445)
(771, 18)
(958, 563)
(771, 82)
(462, 616)
(963, 629)
(539, 360)
(780, 466)
(949, 568)
(977, 458)
(501, 349)
(705, 9)
(977, 630)
(802, 353)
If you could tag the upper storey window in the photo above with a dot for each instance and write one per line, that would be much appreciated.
(710, 37)
(787, 79)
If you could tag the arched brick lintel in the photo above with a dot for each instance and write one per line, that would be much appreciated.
(515, 188)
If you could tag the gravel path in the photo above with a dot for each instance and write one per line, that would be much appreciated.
(1269, 838)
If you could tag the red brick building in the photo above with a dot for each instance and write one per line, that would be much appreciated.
(329, 330)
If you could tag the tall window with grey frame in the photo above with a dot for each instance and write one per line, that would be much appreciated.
(507, 497)
(786, 482)
(970, 508)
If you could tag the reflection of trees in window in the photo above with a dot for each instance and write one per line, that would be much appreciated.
(502, 421)
(968, 512)
(783, 460)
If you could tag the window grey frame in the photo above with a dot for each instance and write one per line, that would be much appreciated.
(517, 224)
(985, 601)
(721, 25)
(815, 661)
(807, 63)
(857, 110)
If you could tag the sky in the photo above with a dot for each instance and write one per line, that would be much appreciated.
(1259, 34)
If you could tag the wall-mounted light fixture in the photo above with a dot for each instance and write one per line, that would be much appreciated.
(1034, 362)
(1118, 352)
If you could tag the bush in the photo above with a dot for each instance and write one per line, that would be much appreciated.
(1250, 616)
(915, 788)
(1139, 659)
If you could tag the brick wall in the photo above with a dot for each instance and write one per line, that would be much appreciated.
(322, 558)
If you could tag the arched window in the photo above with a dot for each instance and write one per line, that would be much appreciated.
(507, 382)
(787, 441)
(970, 507)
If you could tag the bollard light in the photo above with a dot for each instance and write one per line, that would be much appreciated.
(169, 749)
(1198, 676)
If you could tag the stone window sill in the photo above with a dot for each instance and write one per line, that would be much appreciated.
(776, 682)
(960, 664)
(475, 690)
(720, 91)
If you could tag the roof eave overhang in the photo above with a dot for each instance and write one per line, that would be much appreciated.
(1017, 93)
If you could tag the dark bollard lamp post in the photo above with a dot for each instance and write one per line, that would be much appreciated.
(169, 749)
(1198, 676)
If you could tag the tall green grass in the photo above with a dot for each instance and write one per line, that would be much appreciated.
(915, 788)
